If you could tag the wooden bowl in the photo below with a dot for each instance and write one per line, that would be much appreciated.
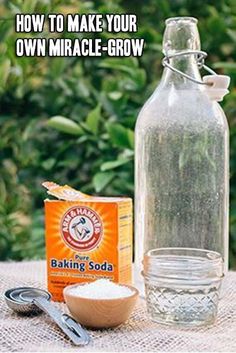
(100, 313)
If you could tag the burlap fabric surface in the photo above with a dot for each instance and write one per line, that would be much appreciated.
(139, 334)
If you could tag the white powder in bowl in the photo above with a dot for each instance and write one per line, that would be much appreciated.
(101, 289)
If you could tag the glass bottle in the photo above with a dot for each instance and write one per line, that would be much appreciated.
(181, 165)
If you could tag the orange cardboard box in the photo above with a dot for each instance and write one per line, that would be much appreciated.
(87, 239)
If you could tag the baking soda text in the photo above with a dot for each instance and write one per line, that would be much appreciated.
(81, 266)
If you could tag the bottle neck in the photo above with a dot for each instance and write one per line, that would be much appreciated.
(181, 35)
(188, 65)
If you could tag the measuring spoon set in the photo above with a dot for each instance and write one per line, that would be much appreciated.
(26, 300)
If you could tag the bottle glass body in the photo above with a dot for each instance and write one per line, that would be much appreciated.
(181, 158)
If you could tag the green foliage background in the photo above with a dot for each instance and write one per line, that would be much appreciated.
(93, 151)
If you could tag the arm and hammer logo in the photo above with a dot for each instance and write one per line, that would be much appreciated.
(81, 228)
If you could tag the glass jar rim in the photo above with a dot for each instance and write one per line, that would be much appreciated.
(187, 261)
(181, 19)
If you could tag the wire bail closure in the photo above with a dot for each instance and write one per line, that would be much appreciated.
(201, 55)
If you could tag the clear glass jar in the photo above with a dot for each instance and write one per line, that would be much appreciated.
(182, 285)
(181, 157)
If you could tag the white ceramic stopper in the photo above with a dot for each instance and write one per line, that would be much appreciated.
(218, 86)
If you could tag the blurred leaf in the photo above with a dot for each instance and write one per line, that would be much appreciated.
(139, 77)
(5, 65)
(48, 163)
(232, 34)
(93, 119)
(131, 138)
(225, 65)
(113, 164)
(29, 6)
(100, 180)
(15, 9)
(123, 64)
(57, 66)
(65, 125)
(115, 95)
(120, 136)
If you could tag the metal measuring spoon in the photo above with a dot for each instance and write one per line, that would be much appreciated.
(26, 300)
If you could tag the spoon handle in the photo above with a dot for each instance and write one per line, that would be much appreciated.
(67, 324)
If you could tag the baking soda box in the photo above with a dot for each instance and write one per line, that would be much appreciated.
(87, 238)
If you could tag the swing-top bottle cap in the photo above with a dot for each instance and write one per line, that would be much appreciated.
(217, 86)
